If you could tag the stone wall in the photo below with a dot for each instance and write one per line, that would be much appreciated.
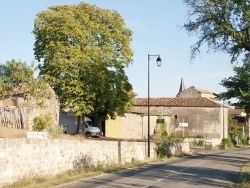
(136, 126)
(30, 108)
(20, 158)
(35, 107)
(208, 122)
(132, 126)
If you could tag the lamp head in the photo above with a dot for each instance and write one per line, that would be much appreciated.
(158, 61)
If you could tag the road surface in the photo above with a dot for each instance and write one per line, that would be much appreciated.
(214, 168)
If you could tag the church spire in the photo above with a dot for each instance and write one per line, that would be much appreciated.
(182, 87)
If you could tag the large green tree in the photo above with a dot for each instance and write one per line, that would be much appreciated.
(222, 24)
(83, 50)
(238, 86)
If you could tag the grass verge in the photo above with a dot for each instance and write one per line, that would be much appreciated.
(69, 176)
(244, 179)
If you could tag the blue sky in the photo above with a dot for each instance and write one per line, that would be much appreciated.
(156, 27)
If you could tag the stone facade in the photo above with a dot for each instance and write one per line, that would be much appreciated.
(196, 92)
(26, 158)
(131, 126)
(204, 117)
(32, 108)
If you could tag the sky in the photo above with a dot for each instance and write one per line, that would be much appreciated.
(156, 26)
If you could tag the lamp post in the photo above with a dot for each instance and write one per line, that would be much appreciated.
(158, 61)
(223, 119)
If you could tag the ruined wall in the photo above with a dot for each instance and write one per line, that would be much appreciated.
(17, 109)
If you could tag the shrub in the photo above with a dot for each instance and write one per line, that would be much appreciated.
(173, 138)
(199, 142)
(199, 136)
(41, 122)
(227, 143)
(55, 130)
(162, 150)
(244, 141)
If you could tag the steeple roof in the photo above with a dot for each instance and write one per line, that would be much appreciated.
(182, 87)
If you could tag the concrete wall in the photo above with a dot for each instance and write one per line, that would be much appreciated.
(21, 158)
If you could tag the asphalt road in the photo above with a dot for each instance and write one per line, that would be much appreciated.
(214, 168)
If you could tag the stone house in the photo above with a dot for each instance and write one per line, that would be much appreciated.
(193, 92)
(19, 112)
(192, 106)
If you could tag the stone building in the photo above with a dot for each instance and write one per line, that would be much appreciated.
(192, 106)
(19, 112)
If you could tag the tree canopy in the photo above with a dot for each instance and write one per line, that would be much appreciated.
(83, 50)
(17, 80)
(224, 25)
(15, 76)
(238, 86)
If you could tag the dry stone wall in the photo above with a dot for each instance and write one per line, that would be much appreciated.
(21, 158)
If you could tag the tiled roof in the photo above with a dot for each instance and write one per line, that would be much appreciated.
(177, 102)
(236, 111)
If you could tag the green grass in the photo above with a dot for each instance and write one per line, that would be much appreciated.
(244, 179)
(69, 176)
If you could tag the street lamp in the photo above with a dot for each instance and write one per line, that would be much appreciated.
(158, 62)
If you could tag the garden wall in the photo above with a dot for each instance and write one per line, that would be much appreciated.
(20, 158)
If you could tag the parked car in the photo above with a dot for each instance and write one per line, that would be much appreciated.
(69, 121)
(90, 130)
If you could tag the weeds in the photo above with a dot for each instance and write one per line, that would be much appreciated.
(198, 143)
(244, 179)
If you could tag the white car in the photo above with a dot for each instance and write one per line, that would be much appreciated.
(90, 130)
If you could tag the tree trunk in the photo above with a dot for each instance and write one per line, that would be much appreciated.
(80, 125)
(98, 118)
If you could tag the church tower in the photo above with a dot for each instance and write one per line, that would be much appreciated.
(182, 87)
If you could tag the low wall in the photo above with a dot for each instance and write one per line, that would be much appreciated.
(20, 158)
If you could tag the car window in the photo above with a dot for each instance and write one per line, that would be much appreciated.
(90, 124)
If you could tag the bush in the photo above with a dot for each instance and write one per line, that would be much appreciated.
(55, 130)
(199, 136)
(244, 141)
(41, 122)
(162, 150)
(198, 143)
(227, 143)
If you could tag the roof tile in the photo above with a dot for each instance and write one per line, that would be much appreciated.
(177, 102)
